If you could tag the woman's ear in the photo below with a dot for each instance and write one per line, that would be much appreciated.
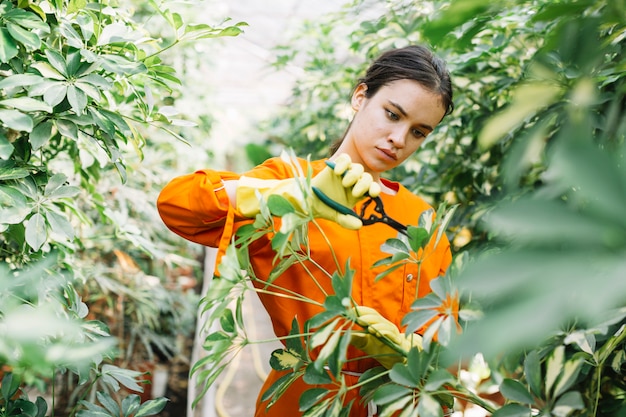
(358, 96)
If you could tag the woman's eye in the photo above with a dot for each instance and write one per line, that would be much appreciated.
(392, 115)
(418, 133)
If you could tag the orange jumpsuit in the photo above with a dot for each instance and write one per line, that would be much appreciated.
(197, 208)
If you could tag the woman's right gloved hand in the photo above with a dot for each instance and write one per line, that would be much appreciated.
(346, 184)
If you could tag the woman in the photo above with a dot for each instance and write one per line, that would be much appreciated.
(403, 96)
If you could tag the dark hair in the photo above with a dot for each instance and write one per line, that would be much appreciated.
(414, 62)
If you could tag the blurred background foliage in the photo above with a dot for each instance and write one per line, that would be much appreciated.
(95, 291)
(534, 155)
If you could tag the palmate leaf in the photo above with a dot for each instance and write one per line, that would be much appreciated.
(113, 376)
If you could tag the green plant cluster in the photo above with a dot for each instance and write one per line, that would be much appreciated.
(534, 156)
(87, 124)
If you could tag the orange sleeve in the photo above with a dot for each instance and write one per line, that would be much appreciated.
(195, 206)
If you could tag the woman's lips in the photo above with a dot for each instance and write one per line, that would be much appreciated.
(389, 154)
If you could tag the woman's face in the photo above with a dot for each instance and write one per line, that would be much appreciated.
(389, 126)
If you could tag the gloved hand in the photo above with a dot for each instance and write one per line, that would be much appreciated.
(346, 184)
(378, 327)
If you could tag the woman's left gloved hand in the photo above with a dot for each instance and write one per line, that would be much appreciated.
(377, 328)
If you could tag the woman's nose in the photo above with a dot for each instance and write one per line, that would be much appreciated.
(397, 137)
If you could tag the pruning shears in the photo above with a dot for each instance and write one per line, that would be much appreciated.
(372, 218)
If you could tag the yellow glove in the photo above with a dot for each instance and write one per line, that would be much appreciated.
(346, 184)
(378, 328)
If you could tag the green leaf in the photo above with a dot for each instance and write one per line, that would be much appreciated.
(57, 61)
(390, 393)
(6, 148)
(329, 348)
(19, 80)
(42, 407)
(67, 128)
(528, 99)
(321, 335)
(396, 247)
(426, 220)
(152, 407)
(48, 71)
(513, 410)
(514, 390)
(342, 285)
(554, 367)
(28, 20)
(109, 403)
(455, 15)
(8, 47)
(25, 37)
(10, 385)
(400, 374)
(40, 134)
(437, 379)
(415, 320)
(55, 93)
(8, 171)
(279, 206)
(227, 321)
(567, 403)
(314, 376)
(387, 272)
(59, 225)
(130, 404)
(532, 372)
(126, 377)
(295, 343)
(16, 120)
(571, 369)
(77, 99)
(310, 397)
(284, 359)
(428, 406)
(36, 232)
(26, 104)
(418, 237)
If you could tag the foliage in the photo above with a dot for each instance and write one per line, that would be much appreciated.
(84, 96)
(534, 155)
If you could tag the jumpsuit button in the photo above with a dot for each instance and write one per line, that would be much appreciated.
(409, 277)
